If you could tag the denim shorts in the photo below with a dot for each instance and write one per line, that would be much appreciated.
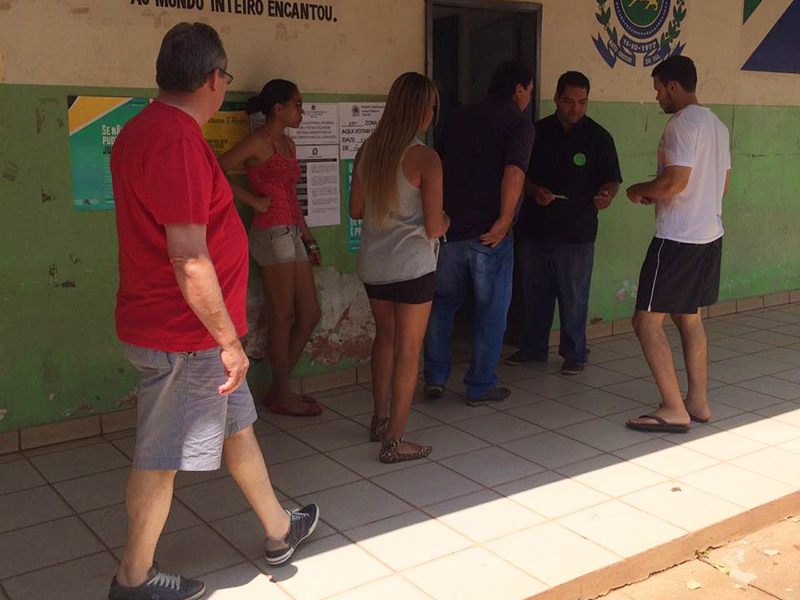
(276, 245)
(182, 419)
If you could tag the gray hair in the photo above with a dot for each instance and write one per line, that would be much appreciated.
(189, 53)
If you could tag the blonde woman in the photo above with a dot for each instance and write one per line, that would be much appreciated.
(397, 190)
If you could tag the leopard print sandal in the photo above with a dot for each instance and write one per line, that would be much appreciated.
(378, 428)
(390, 452)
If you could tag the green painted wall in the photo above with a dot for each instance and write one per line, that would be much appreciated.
(59, 357)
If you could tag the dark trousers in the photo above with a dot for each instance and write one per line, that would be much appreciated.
(554, 272)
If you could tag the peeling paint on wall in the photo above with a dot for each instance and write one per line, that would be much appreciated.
(255, 342)
(47, 195)
(11, 169)
(83, 409)
(3, 413)
(129, 400)
(40, 118)
(52, 274)
(347, 328)
(629, 289)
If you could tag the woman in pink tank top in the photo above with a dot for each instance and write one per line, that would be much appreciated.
(280, 240)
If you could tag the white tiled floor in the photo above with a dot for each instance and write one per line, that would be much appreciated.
(513, 500)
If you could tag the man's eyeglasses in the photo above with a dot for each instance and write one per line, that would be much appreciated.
(228, 76)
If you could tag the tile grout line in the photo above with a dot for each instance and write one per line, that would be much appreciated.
(495, 445)
(77, 515)
(59, 564)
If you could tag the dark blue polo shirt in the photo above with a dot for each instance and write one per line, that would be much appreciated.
(575, 164)
(480, 141)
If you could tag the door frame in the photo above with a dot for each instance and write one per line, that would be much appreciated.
(497, 5)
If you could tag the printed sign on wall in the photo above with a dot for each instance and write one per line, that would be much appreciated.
(357, 121)
(229, 126)
(94, 123)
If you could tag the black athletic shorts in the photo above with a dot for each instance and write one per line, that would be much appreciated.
(411, 291)
(679, 278)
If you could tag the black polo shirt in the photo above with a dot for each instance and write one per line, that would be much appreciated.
(480, 141)
(575, 164)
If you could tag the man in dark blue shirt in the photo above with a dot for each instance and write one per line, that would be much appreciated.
(574, 173)
(486, 152)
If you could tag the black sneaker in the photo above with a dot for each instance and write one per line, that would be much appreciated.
(159, 586)
(302, 524)
(572, 367)
(433, 391)
(522, 358)
(493, 396)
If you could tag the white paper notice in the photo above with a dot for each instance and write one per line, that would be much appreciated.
(357, 121)
(318, 188)
(257, 119)
(320, 126)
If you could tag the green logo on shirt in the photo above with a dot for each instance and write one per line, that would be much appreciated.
(579, 159)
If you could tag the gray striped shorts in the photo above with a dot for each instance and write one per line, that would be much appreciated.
(182, 419)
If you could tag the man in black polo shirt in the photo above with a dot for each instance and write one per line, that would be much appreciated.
(574, 173)
(487, 150)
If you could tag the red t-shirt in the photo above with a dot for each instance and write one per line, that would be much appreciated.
(164, 173)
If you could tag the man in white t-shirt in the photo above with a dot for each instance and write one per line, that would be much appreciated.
(681, 271)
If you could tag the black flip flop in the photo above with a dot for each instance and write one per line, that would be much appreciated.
(698, 419)
(661, 425)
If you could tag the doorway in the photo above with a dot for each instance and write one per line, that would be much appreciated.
(466, 40)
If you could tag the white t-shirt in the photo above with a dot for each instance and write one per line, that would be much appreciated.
(696, 138)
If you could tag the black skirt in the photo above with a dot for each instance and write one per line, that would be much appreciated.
(411, 291)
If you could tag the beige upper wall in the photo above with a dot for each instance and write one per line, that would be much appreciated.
(715, 39)
(114, 43)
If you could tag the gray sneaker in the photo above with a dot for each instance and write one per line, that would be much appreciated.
(159, 585)
(493, 396)
(302, 524)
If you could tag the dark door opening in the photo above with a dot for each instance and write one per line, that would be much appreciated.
(467, 39)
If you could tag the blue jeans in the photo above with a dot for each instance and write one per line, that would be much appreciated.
(491, 272)
(553, 272)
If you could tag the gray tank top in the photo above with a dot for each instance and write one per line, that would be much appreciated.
(401, 250)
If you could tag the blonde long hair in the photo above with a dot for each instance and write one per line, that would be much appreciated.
(410, 98)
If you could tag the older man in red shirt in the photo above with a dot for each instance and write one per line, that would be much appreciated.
(180, 314)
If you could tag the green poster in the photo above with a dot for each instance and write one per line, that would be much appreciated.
(353, 225)
(94, 123)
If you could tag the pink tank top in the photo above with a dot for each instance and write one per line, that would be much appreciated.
(277, 178)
